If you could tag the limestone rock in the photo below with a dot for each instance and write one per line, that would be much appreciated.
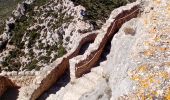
(136, 66)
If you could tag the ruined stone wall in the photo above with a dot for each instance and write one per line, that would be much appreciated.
(2, 85)
(36, 82)
(90, 58)
(46, 77)
(49, 75)
(5, 83)
(20, 79)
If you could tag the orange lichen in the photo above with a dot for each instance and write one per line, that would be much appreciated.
(162, 49)
(164, 75)
(157, 1)
(152, 30)
(157, 39)
(167, 63)
(149, 52)
(142, 68)
(141, 95)
(167, 96)
(148, 80)
(152, 78)
(168, 9)
(147, 43)
(144, 83)
(145, 21)
(135, 77)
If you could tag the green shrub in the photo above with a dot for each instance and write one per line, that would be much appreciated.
(99, 9)
(61, 51)
(12, 61)
(32, 65)
(45, 59)
(33, 36)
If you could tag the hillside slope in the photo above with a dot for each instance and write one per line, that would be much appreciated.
(126, 58)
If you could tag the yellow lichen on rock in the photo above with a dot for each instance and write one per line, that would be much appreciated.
(157, 1)
(168, 9)
(149, 52)
(152, 52)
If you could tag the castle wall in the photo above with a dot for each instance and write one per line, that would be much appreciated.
(83, 63)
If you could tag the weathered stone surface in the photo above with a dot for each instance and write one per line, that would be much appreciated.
(64, 93)
(33, 85)
(136, 68)
(138, 64)
(83, 63)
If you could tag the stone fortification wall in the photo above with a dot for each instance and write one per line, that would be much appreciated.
(49, 75)
(83, 63)
(38, 82)
(5, 84)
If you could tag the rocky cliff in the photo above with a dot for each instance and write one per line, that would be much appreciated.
(126, 59)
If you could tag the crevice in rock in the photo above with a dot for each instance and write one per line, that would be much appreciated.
(3, 45)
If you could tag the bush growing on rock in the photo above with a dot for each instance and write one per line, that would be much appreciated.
(100, 9)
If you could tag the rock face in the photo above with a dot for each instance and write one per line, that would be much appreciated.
(137, 66)
(93, 53)
(42, 31)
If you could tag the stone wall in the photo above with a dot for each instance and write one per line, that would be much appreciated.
(5, 83)
(36, 82)
(42, 80)
(49, 75)
(82, 64)
(23, 78)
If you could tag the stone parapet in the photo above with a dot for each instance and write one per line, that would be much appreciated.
(34, 83)
(47, 76)
(83, 63)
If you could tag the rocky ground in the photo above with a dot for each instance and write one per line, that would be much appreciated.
(45, 31)
(6, 7)
(137, 58)
(40, 31)
(137, 67)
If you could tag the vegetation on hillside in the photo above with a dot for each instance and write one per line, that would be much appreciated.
(12, 61)
(100, 9)
(6, 8)
(95, 10)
